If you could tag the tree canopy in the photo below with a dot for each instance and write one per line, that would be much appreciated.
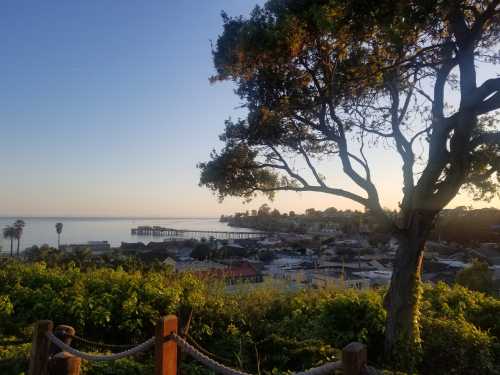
(332, 78)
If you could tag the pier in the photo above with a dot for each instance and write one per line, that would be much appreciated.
(156, 231)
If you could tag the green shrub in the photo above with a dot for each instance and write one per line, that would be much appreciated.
(14, 358)
(354, 316)
(243, 328)
(477, 277)
(458, 302)
(124, 366)
(456, 347)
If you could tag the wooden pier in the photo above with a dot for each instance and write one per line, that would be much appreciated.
(156, 231)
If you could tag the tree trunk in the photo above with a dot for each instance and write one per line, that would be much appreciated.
(18, 245)
(11, 247)
(58, 241)
(402, 336)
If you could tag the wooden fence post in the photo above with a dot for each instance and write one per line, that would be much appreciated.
(166, 351)
(62, 363)
(40, 348)
(354, 358)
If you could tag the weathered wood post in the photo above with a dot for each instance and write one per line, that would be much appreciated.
(63, 363)
(354, 358)
(40, 347)
(166, 350)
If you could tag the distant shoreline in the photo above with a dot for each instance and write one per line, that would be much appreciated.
(41, 230)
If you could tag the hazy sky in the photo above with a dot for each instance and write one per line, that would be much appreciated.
(105, 109)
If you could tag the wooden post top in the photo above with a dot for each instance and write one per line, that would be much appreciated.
(64, 329)
(354, 347)
(354, 358)
(166, 351)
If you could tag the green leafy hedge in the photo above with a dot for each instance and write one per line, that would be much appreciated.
(265, 327)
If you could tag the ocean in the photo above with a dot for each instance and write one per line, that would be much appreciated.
(39, 231)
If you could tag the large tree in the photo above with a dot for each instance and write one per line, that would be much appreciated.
(328, 79)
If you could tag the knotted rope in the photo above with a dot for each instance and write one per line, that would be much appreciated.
(97, 343)
(325, 369)
(97, 357)
(205, 360)
(187, 348)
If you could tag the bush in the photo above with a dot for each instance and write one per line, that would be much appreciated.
(460, 328)
(14, 358)
(354, 316)
(460, 303)
(477, 277)
(456, 347)
(124, 366)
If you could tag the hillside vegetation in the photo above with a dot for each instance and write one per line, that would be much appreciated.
(265, 327)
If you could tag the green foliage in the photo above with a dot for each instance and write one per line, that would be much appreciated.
(456, 346)
(459, 303)
(14, 358)
(460, 331)
(355, 317)
(323, 79)
(477, 277)
(102, 302)
(124, 366)
(242, 328)
(6, 307)
(219, 173)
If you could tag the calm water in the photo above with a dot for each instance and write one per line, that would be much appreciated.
(40, 231)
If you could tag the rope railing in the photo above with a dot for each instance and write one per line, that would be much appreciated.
(100, 344)
(189, 349)
(226, 370)
(204, 359)
(195, 343)
(166, 342)
(99, 357)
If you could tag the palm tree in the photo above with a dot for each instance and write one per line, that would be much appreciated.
(9, 232)
(18, 230)
(59, 228)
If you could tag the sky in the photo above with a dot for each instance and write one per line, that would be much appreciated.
(106, 108)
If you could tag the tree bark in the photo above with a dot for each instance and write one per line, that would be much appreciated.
(11, 247)
(402, 336)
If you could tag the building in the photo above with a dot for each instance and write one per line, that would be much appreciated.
(97, 247)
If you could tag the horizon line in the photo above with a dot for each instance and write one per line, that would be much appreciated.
(105, 217)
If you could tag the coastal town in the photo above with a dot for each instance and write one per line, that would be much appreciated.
(315, 250)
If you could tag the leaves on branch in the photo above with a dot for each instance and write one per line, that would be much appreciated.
(324, 79)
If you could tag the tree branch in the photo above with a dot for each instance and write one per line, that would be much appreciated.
(373, 201)
(492, 104)
(287, 168)
(491, 138)
(486, 89)
(311, 167)
(403, 146)
(319, 189)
